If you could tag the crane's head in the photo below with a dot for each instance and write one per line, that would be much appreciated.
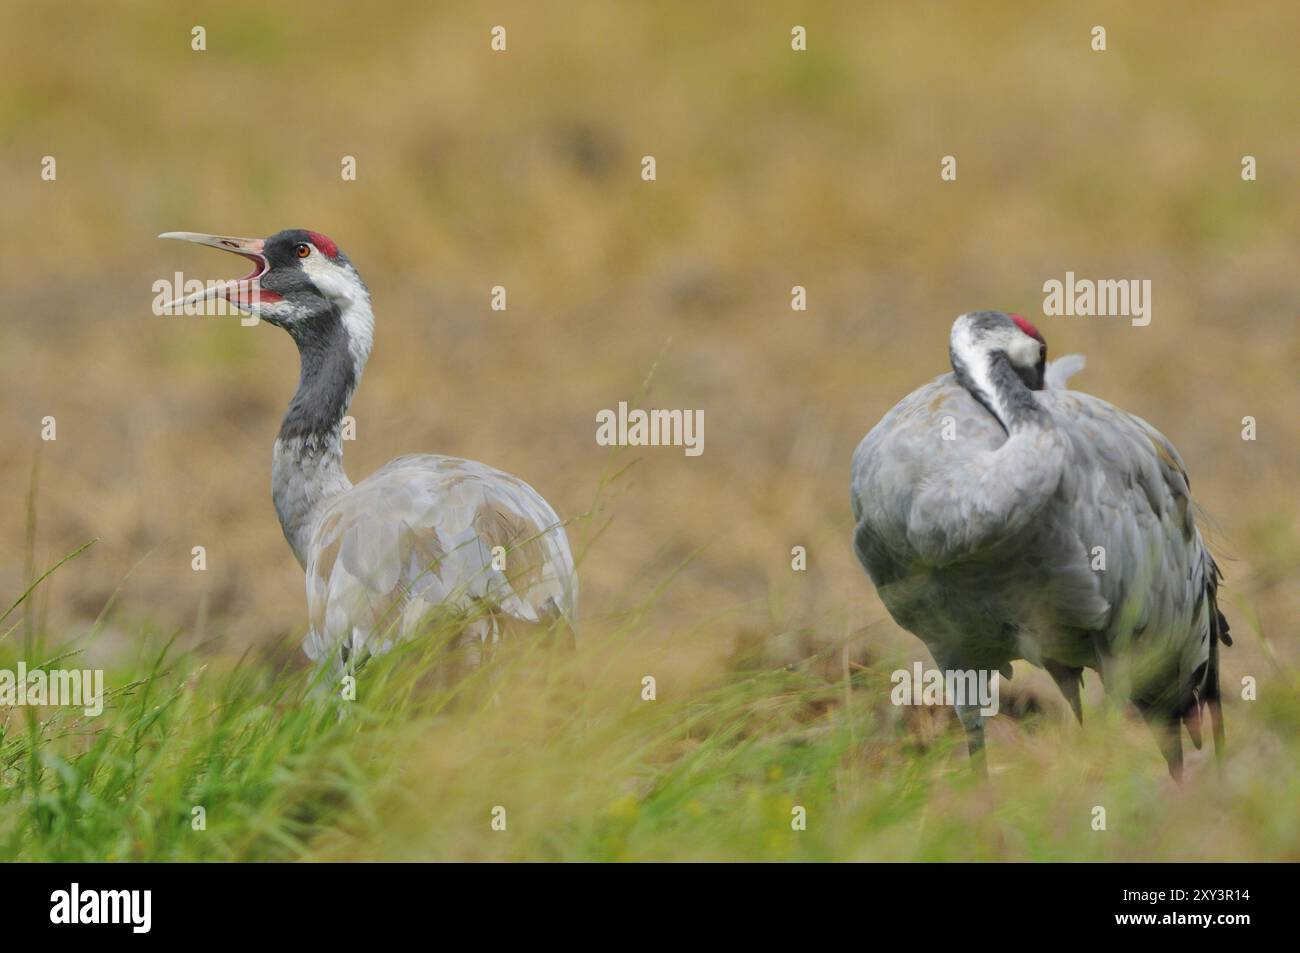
(301, 281)
(981, 337)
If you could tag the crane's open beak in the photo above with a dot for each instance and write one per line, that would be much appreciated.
(246, 292)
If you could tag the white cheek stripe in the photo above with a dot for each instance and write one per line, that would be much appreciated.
(1023, 351)
(975, 359)
(1020, 348)
(342, 286)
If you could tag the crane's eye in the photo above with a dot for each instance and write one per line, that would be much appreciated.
(302, 249)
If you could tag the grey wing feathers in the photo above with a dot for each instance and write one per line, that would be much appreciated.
(1126, 501)
(1122, 502)
(422, 534)
(909, 491)
(1078, 551)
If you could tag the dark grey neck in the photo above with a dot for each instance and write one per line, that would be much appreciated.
(328, 380)
(1000, 389)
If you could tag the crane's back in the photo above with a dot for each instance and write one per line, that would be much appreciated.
(1110, 564)
(433, 533)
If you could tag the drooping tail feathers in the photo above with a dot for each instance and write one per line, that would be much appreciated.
(1219, 634)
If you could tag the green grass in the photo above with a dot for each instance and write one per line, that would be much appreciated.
(587, 770)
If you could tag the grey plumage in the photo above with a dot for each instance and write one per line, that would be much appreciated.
(423, 535)
(984, 545)
(417, 536)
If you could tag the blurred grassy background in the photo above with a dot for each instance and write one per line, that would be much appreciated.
(522, 169)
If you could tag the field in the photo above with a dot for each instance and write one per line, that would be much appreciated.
(522, 169)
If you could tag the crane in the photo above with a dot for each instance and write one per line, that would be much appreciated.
(1002, 516)
(424, 534)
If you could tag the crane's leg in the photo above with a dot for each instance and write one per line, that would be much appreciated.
(564, 676)
(1068, 681)
(1167, 728)
(1192, 719)
(973, 722)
